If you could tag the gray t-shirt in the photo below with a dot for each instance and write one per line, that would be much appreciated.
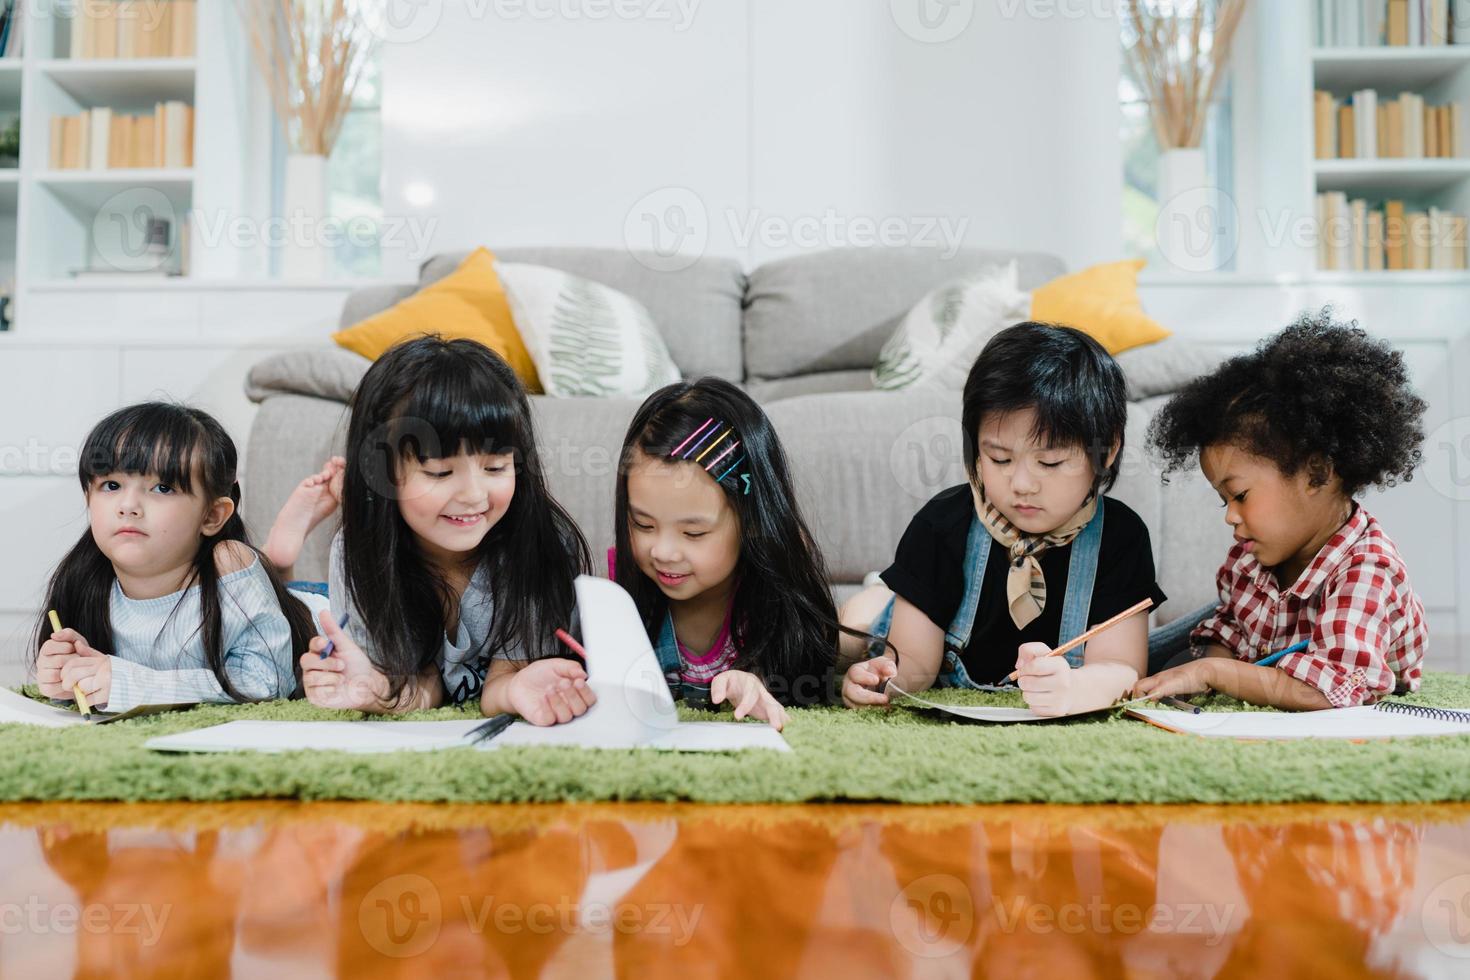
(463, 658)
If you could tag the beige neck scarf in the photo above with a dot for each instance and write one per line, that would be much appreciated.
(1025, 584)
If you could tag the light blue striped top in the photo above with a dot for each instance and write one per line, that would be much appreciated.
(158, 645)
(464, 659)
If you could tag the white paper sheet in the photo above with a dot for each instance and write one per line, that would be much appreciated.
(1001, 715)
(634, 708)
(16, 708)
(1350, 723)
(338, 736)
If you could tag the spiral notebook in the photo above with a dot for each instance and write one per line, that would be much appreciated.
(1386, 719)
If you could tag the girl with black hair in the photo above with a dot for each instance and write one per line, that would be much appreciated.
(164, 600)
(1289, 435)
(991, 575)
(712, 546)
(454, 565)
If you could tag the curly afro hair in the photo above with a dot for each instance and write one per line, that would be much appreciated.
(1316, 393)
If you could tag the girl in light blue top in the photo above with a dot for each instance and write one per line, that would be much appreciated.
(164, 599)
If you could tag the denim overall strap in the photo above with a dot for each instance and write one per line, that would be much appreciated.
(667, 650)
(957, 637)
(1081, 574)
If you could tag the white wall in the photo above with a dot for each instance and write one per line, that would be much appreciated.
(750, 124)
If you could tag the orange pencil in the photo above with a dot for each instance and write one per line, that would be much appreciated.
(1078, 641)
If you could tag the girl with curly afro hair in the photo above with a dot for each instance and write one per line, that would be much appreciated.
(1289, 435)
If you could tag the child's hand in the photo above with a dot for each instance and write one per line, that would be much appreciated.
(550, 692)
(749, 696)
(91, 670)
(1190, 678)
(346, 679)
(1046, 681)
(55, 654)
(860, 685)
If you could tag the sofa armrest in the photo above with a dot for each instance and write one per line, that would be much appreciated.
(327, 372)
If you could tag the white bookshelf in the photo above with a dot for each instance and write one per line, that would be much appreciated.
(1439, 73)
(50, 218)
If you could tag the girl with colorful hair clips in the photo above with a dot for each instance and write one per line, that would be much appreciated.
(711, 545)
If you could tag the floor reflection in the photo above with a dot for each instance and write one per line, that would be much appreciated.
(644, 890)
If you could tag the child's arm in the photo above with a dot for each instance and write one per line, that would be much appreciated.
(920, 645)
(1245, 682)
(1111, 665)
(543, 692)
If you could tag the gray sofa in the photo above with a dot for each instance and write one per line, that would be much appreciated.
(801, 335)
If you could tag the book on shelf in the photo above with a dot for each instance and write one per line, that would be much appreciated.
(12, 16)
(1396, 23)
(100, 139)
(134, 29)
(1356, 236)
(1364, 127)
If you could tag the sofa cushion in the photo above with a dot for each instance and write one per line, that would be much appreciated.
(588, 340)
(697, 309)
(1165, 367)
(319, 372)
(470, 304)
(834, 310)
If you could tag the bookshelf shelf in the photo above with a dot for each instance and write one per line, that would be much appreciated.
(100, 191)
(1405, 68)
(123, 82)
(1389, 176)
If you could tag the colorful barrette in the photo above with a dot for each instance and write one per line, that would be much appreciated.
(716, 441)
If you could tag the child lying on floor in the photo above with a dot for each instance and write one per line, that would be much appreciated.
(1288, 436)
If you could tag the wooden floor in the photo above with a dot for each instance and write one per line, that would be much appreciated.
(289, 890)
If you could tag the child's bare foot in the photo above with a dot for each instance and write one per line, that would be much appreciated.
(314, 500)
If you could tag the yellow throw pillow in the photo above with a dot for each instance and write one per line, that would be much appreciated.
(469, 303)
(1103, 303)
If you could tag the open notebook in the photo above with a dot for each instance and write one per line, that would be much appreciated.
(1386, 719)
(634, 708)
(16, 708)
(1005, 716)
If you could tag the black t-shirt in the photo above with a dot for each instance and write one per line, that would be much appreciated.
(929, 571)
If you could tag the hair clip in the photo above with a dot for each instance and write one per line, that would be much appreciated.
(705, 440)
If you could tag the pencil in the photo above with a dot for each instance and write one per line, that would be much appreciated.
(572, 644)
(82, 704)
(1107, 624)
(1294, 648)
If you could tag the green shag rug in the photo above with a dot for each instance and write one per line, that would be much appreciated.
(895, 755)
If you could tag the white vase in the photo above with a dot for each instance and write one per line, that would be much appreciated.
(303, 255)
(1189, 228)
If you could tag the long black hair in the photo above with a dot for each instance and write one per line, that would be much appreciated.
(784, 622)
(431, 398)
(187, 449)
(1075, 387)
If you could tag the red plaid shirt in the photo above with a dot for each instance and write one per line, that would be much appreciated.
(1353, 603)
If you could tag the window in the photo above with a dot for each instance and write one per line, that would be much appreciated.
(1141, 165)
(354, 178)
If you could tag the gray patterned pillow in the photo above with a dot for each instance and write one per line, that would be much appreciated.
(941, 336)
(587, 339)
